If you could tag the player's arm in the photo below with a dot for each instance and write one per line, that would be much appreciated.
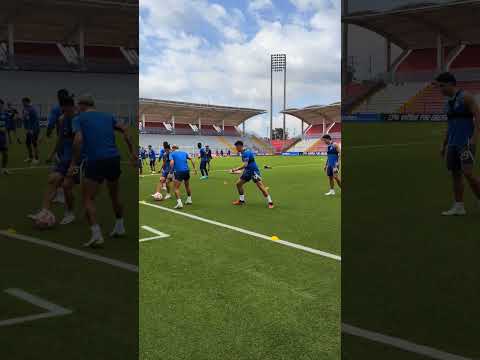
(123, 129)
(244, 165)
(474, 108)
(58, 142)
(193, 164)
(51, 120)
(339, 150)
(76, 153)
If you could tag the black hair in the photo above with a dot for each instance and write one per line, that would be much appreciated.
(446, 78)
(326, 136)
(62, 93)
(199, 145)
(2, 102)
(165, 143)
(67, 101)
(239, 143)
(26, 100)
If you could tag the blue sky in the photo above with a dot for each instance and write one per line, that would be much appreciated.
(219, 52)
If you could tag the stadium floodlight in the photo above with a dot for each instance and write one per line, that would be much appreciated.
(278, 63)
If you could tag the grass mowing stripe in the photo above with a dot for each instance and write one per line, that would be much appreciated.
(248, 232)
(52, 309)
(400, 343)
(72, 251)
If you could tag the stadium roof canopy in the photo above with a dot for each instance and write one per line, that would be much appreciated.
(417, 26)
(317, 114)
(186, 113)
(105, 22)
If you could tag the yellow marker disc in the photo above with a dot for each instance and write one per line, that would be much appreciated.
(275, 238)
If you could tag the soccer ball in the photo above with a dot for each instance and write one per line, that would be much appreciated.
(157, 197)
(45, 220)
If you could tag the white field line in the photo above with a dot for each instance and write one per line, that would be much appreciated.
(348, 329)
(244, 231)
(401, 344)
(159, 234)
(52, 309)
(72, 251)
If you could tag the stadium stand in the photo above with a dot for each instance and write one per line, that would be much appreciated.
(40, 52)
(322, 120)
(428, 49)
(186, 124)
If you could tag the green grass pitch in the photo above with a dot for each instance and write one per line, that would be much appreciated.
(409, 273)
(210, 293)
(103, 299)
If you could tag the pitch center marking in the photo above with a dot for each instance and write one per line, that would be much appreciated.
(53, 310)
(248, 232)
(158, 234)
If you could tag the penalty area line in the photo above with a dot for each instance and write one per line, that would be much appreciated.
(401, 344)
(158, 234)
(71, 251)
(245, 231)
(52, 309)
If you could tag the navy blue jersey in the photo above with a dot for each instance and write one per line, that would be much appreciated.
(332, 155)
(31, 120)
(249, 157)
(203, 154)
(3, 120)
(65, 130)
(460, 120)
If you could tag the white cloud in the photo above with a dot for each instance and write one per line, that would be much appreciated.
(256, 5)
(235, 71)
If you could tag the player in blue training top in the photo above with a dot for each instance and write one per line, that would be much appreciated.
(461, 138)
(3, 138)
(153, 157)
(56, 112)
(59, 178)
(166, 177)
(95, 137)
(12, 117)
(31, 123)
(209, 156)
(332, 166)
(203, 161)
(250, 172)
(181, 173)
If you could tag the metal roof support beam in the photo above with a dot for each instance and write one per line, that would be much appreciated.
(453, 54)
(440, 57)
(11, 44)
(199, 126)
(81, 45)
(398, 61)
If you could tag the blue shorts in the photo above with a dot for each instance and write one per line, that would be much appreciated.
(331, 171)
(165, 173)
(251, 175)
(62, 168)
(458, 156)
(103, 169)
(3, 141)
(182, 175)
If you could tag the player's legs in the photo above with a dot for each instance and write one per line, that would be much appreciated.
(35, 147)
(117, 206)
(337, 180)
(67, 187)
(28, 144)
(4, 153)
(188, 191)
(261, 186)
(331, 181)
(176, 186)
(54, 180)
(454, 165)
(472, 180)
(241, 193)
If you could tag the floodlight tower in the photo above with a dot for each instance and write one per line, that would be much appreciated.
(278, 63)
